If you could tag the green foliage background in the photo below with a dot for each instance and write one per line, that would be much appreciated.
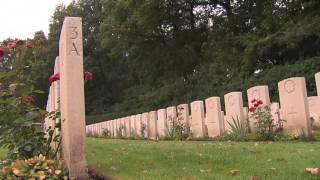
(148, 54)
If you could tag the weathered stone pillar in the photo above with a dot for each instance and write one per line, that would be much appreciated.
(72, 97)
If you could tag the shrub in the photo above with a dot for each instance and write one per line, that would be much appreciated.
(21, 129)
(34, 168)
(266, 127)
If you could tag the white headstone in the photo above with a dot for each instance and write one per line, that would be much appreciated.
(294, 105)
(198, 125)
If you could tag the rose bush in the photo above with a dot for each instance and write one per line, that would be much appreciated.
(266, 128)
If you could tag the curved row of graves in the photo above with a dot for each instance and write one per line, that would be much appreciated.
(206, 118)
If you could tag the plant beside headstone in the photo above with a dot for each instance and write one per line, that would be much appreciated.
(266, 127)
(21, 120)
(238, 131)
(176, 129)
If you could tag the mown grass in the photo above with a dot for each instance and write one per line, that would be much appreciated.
(135, 159)
(3, 153)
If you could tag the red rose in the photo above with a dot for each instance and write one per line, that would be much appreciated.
(29, 100)
(88, 76)
(259, 102)
(252, 109)
(54, 77)
(253, 101)
(2, 51)
(256, 105)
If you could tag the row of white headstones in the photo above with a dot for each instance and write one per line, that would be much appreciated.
(67, 97)
(207, 118)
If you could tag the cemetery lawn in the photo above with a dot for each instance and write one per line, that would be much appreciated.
(135, 159)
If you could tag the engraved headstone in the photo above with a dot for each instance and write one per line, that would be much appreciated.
(254, 94)
(234, 108)
(213, 113)
(294, 105)
(198, 125)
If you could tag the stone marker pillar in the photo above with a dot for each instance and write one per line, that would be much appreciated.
(214, 120)
(183, 114)
(294, 105)
(314, 109)
(197, 113)
(233, 107)
(153, 131)
(72, 97)
(145, 124)
(138, 125)
(162, 122)
(317, 76)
